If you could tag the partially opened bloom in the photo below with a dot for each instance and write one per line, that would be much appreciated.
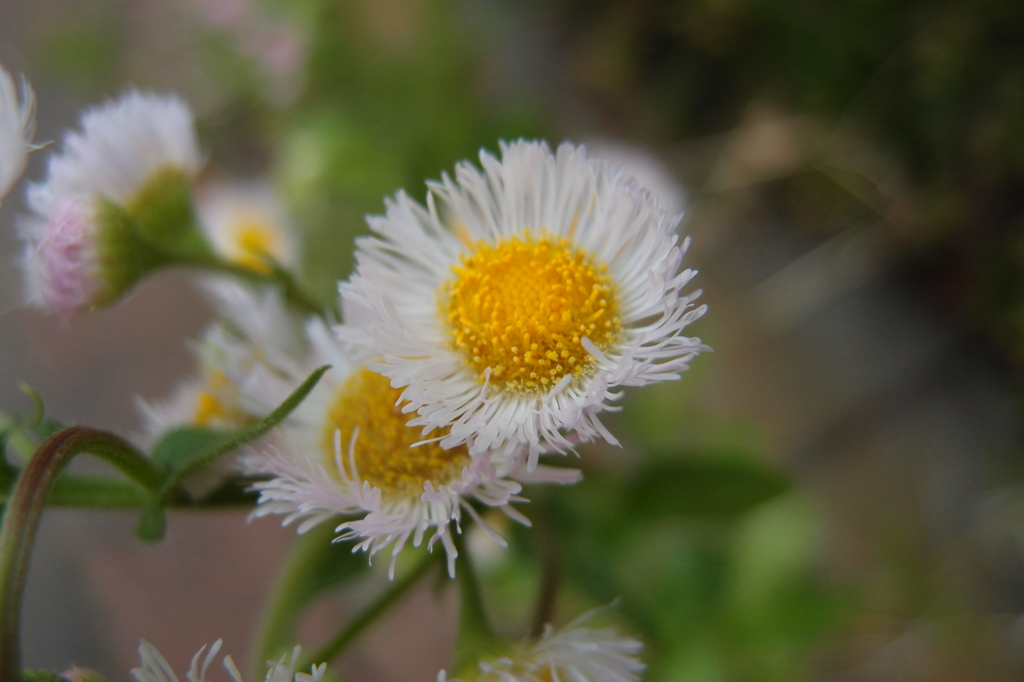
(521, 296)
(115, 198)
(574, 654)
(155, 668)
(246, 224)
(17, 124)
(255, 333)
(347, 451)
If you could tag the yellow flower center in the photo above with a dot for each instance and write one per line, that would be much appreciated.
(212, 406)
(383, 455)
(254, 239)
(521, 308)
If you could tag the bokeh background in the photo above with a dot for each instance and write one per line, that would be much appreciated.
(852, 176)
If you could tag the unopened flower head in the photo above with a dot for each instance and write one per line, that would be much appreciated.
(513, 305)
(574, 654)
(348, 451)
(17, 124)
(155, 668)
(87, 240)
(247, 224)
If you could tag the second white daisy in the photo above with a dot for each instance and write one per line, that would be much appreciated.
(347, 451)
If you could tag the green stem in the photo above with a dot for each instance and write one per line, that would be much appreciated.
(551, 570)
(355, 627)
(280, 278)
(475, 635)
(26, 506)
(277, 624)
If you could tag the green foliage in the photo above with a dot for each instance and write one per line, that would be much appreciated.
(711, 558)
(702, 487)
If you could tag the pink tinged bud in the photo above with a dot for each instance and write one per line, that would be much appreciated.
(63, 265)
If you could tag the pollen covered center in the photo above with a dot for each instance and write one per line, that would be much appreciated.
(521, 308)
(382, 452)
(216, 403)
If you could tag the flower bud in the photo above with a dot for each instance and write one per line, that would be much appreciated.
(84, 256)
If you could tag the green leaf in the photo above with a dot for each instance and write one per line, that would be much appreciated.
(187, 462)
(704, 488)
(179, 447)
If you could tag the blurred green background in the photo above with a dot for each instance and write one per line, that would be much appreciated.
(834, 494)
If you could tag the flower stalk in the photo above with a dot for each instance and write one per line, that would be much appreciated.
(357, 625)
(25, 508)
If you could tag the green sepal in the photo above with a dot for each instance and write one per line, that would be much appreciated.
(125, 255)
(165, 216)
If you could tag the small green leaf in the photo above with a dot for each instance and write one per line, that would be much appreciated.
(704, 487)
(179, 447)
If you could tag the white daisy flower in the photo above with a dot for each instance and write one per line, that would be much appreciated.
(574, 654)
(513, 305)
(347, 451)
(246, 223)
(155, 667)
(76, 256)
(17, 124)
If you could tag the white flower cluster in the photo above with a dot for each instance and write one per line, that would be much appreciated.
(480, 332)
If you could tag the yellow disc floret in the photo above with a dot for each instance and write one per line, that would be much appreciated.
(521, 308)
(382, 453)
(216, 403)
(253, 239)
